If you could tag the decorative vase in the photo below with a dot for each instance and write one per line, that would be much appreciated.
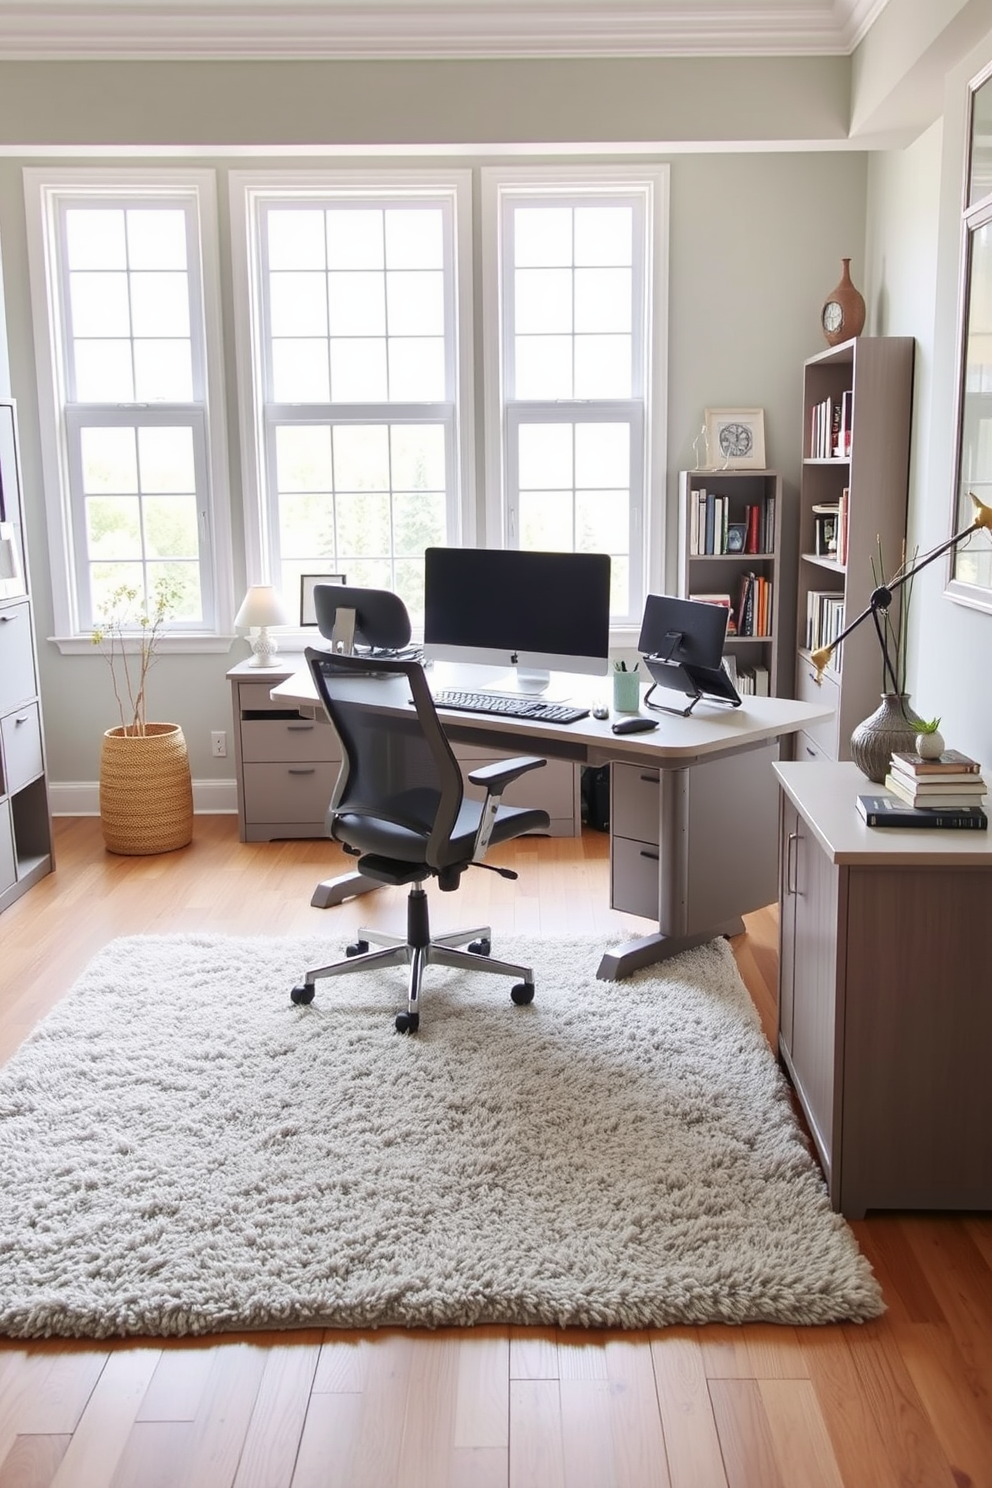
(893, 726)
(930, 745)
(146, 794)
(843, 313)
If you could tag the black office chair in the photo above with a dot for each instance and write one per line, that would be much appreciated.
(399, 805)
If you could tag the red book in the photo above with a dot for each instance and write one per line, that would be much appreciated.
(751, 541)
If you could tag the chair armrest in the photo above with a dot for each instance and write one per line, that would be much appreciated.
(497, 776)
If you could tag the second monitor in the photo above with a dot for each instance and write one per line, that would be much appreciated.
(530, 611)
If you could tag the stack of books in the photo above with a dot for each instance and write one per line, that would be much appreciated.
(945, 792)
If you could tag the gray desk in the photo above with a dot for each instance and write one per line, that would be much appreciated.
(716, 810)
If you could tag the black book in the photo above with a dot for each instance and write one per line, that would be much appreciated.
(886, 811)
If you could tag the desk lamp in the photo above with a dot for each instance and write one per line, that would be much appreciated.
(261, 608)
(881, 597)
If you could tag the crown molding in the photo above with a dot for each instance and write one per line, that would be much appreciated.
(74, 30)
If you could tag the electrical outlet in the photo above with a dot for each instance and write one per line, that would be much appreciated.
(218, 744)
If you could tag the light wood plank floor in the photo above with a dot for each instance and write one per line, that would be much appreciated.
(906, 1400)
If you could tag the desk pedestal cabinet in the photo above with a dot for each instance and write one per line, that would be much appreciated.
(287, 762)
(885, 1012)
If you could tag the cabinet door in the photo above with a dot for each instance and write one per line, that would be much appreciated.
(787, 923)
(815, 1037)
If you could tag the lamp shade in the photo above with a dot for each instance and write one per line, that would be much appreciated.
(261, 606)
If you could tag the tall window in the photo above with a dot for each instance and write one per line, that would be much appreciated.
(119, 299)
(579, 280)
(356, 356)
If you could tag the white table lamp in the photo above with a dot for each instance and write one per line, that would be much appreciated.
(261, 608)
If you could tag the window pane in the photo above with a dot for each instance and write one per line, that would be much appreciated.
(543, 367)
(604, 235)
(546, 521)
(542, 301)
(183, 580)
(603, 300)
(363, 524)
(94, 238)
(171, 529)
(160, 304)
(545, 456)
(361, 457)
(103, 371)
(357, 304)
(303, 458)
(602, 522)
(113, 527)
(109, 460)
(409, 584)
(415, 304)
(418, 457)
(355, 238)
(358, 371)
(298, 304)
(156, 238)
(602, 455)
(105, 578)
(416, 370)
(619, 586)
(296, 239)
(418, 522)
(602, 367)
(414, 238)
(306, 525)
(542, 236)
(166, 459)
(99, 305)
(299, 371)
(163, 372)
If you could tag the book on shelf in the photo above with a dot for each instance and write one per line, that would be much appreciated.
(952, 761)
(939, 796)
(888, 811)
(719, 599)
(842, 507)
(846, 422)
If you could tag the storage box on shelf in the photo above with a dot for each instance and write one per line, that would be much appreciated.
(857, 406)
(287, 762)
(731, 525)
(25, 818)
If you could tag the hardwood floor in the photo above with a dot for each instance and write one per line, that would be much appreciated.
(905, 1400)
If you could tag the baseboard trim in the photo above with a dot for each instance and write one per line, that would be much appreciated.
(82, 797)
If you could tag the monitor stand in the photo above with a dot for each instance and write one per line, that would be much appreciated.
(526, 681)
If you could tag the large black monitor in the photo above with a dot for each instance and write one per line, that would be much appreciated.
(681, 641)
(534, 612)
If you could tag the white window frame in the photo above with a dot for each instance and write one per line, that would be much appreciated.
(248, 190)
(44, 191)
(647, 409)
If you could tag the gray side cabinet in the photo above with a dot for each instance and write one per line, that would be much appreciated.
(885, 1013)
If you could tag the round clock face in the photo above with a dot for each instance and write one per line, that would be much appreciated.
(833, 316)
(736, 441)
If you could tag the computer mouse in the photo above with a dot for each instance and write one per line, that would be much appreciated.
(636, 725)
(601, 712)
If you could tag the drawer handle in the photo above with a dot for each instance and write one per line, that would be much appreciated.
(651, 857)
(296, 770)
(651, 779)
(21, 718)
(300, 728)
(810, 750)
(791, 861)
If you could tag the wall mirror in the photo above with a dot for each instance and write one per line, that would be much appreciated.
(970, 579)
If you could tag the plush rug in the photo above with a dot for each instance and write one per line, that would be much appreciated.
(183, 1151)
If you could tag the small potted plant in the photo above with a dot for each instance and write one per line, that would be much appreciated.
(146, 793)
(929, 739)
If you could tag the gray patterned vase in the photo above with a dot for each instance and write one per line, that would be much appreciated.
(892, 726)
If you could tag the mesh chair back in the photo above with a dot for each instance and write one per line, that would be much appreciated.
(396, 767)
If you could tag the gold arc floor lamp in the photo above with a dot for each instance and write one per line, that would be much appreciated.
(881, 597)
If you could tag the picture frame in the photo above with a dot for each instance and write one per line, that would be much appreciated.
(308, 582)
(736, 536)
(735, 438)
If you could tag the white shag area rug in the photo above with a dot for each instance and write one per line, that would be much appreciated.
(183, 1151)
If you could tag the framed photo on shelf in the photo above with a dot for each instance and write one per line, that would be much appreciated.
(735, 438)
(308, 582)
(736, 537)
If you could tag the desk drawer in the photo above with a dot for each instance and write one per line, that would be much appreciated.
(17, 680)
(634, 877)
(553, 788)
(286, 740)
(288, 793)
(22, 757)
(635, 802)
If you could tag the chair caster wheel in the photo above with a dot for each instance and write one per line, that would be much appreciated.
(480, 947)
(358, 948)
(303, 994)
(407, 1022)
(522, 993)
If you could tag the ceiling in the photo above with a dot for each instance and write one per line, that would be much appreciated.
(77, 29)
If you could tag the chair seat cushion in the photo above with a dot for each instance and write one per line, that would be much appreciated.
(406, 842)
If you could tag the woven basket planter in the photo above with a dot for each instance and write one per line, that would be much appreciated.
(146, 794)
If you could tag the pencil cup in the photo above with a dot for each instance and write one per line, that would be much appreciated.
(626, 692)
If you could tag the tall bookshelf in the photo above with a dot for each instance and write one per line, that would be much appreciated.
(855, 478)
(709, 565)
